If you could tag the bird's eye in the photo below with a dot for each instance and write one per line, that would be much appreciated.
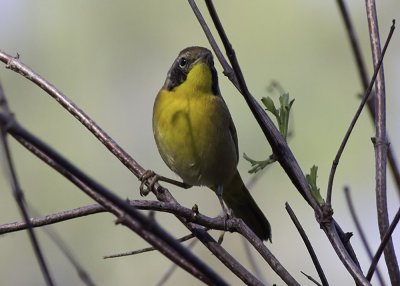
(182, 62)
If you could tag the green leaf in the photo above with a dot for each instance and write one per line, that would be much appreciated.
(259, 165)
(269, 105)
(312, 182)
(282, 118)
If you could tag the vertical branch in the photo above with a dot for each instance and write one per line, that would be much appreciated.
(362, 71)
(82, 273)
(380, 144)
(17, 191)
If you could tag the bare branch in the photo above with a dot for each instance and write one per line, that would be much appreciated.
(82, 273)
(126, 215)
(354, 120)
(360, 230)
(143, 250)
(52, 218)
(17, 191)
(383, 244)
(380, 142)
(173, 267)
(309, 247)
(362, 70)
(311, 279)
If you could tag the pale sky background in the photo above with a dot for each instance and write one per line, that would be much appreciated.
(112, 57)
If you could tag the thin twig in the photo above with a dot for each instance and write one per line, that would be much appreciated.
(60, 243)
(309, 247)
(252, 261)
(250, 257)
(224, 63)
(244, 230)
(362, 70)
(380, 143)
(311, 278)
(173, 267)
(17, 191)
(52, 218)
(383, 244)
(143, 250)
(354, 120)
(361, 231)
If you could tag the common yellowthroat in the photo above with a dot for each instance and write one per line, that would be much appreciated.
(196, 137)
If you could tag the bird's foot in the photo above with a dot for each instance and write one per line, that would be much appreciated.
(148, 179)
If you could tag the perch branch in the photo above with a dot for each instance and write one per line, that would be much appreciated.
(126, 215)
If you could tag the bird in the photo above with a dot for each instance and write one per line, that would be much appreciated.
(196, 137)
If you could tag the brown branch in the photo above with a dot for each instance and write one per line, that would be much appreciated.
(52, 218)
(82, 273)
(383, 244)
(219, 223)
(362, 70)
(173, 267)
(17, 191)
(360, 231)
(147, 249)
(380, 143)
(355, 118)
(309, 247)
(128, 216)
(311, 278)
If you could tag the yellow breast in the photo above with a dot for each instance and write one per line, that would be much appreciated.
(191, 127)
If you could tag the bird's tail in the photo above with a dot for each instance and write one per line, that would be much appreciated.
(238, 198)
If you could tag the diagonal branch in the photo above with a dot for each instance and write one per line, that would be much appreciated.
(355, 118)
(17, 191)
(383, 244)
(128, 216)
(360, 230)
(309, 247)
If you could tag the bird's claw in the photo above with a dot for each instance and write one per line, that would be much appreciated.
(148, 179)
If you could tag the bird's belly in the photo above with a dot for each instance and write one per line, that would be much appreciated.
(196, 145)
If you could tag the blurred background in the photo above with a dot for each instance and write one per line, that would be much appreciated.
(112, 57)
